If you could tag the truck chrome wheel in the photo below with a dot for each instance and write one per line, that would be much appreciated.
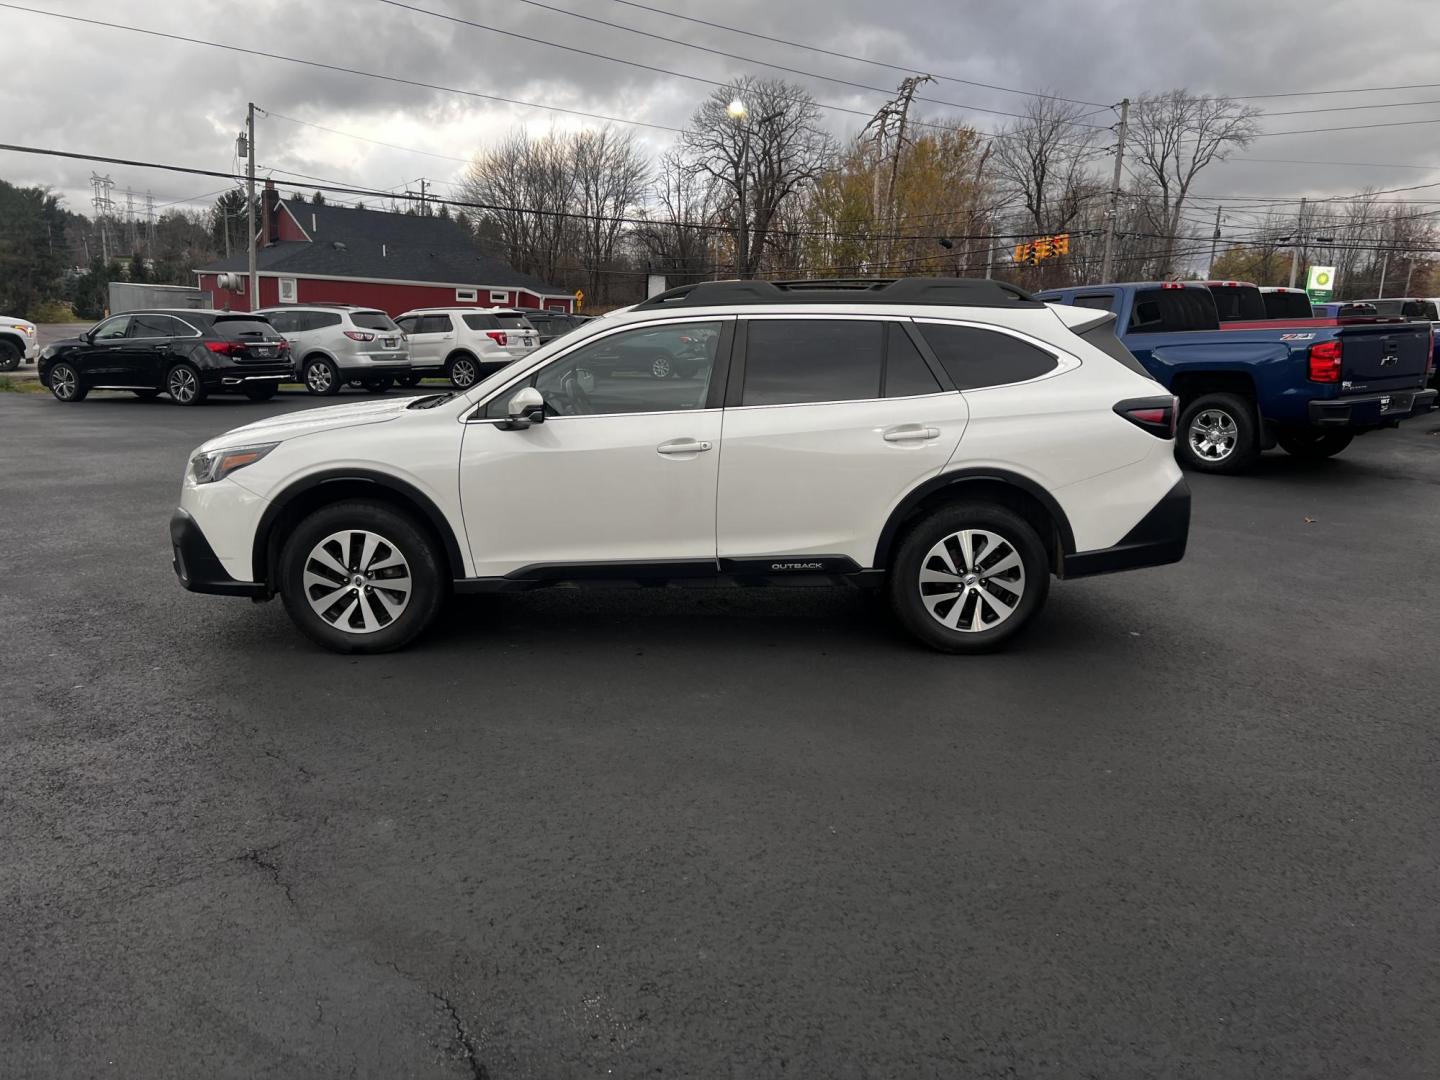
(357, 581)
(972, 580)
(1212, 434)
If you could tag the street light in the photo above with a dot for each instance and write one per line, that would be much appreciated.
(737, 110)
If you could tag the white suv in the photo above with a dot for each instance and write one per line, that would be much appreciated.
(952, 442)
(334, 344)
(467, 344)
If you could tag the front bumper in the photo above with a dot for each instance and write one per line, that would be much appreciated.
(1372, 410)
(32, 352)
(196, 564)
(1157, 539)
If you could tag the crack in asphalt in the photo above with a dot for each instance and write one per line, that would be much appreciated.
(457, 1023)
(257, 856)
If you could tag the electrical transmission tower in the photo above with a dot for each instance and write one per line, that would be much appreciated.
(130, 227)
(104, 210)
(150, 224)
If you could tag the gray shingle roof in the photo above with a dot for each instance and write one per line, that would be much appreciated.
(376, 244)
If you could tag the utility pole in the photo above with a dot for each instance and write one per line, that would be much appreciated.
(1107, 262)
(1384, 266)
(1214, 243)
(1295, 245)
(424, 207)
(254, 285)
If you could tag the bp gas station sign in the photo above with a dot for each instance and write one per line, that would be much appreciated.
(1320, 283)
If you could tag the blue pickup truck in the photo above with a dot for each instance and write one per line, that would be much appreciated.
(1308, 385)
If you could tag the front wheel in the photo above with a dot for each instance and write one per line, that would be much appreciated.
(968, 577)
(261, 391)
(361, 577)
(184, 386)
(377, 385)
(65, 384)
(1218, 434)
(410, 380)
(661, 367)
(1313, 444)
(9, 356)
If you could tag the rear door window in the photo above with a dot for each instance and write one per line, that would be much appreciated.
(906, 372)
(284, 322)
(1160, 311)
(157, 326)
(800, 361)
(434, 324)
(975, 358)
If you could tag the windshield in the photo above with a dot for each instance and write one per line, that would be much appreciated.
(372, 320)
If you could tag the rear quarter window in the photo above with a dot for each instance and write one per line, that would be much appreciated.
(975, 358)
(1161, 311)
(1103, 338)
(481, 322)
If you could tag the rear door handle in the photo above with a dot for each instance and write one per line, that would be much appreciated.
(911, 433)
(683, 446)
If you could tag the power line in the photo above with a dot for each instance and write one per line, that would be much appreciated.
(1351, 127)
(818, 49)
(336, 67)
(690, 45)
(1353, 108)
(365, 138)
(1320, 93)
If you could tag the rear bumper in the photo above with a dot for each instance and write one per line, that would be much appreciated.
(1157, 539)
(196, 564)
(1372, 410)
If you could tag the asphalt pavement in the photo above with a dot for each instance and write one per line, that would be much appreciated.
(1185, 827)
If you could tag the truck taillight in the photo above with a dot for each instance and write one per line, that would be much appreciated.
(1157, 415)
(1325, 362)
(498, 336)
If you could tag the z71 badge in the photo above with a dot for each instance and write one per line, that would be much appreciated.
(1297, 337)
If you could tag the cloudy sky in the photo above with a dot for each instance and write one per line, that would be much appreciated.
(94, 89)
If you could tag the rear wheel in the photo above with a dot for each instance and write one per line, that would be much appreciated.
(1218, 434)
(361, 577)
(378, 385)
(184, 386)
(261, 391)
(1313, 444)
(65, 384)
(10, 355)
(463, 371)
(409, 380)
(968, 576)
(146, 395)
(321, 377)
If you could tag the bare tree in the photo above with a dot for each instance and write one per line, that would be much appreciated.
(528, 187)
(610, 178)
(1043, 162)
(679, 232)
(761, 152)
(1174, 136)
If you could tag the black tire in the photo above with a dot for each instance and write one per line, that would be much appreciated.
(1230, 419)
(463, 371)
(410, 380)
(403, 535)
(321, 377)
(182, 383)
(377, 386)
(1313, 444)
(65, 383)
(262, 391)
(10, 356)
(1019, 589)
(146, 395)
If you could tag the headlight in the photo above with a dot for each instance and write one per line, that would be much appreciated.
(218, 464)
(28, 331)
(48, 352)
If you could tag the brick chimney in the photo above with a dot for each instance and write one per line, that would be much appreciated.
(269, 214)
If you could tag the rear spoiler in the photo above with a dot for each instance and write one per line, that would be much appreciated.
(1081, 319)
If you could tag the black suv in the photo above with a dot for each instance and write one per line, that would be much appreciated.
(552, 324)
(186, 354)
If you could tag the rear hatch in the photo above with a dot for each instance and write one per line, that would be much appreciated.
(520, 336)
(388, 338)
(1383, 356)
(251, 340)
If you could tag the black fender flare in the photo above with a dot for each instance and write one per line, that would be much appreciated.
(959, 478)
(261, 547)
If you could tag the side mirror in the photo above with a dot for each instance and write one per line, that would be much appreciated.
(87, 336)
(526, 407)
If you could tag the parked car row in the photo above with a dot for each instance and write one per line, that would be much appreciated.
(190, 354)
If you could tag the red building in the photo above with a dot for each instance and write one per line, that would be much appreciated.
(321, 254)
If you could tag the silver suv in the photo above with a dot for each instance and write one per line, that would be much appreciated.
(334, 344)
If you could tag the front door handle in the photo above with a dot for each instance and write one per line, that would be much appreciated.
(683, 446)
(911, 432)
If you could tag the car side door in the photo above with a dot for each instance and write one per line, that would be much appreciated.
(829, 422)
(618, 480)
(103, 361)
(151, 342)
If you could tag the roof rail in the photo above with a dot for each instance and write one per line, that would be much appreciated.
(951, 292)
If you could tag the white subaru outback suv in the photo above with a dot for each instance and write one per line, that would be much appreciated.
(953, 442)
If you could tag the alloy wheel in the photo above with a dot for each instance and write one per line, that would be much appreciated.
(182, 385)
(661, 367)
(357, 581)
(63, 382)
(318, 378)
(463, 373)
(972, 580)
(1213, 434)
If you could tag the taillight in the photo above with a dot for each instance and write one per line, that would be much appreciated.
(1325, 361)
(226, 348)
(1156, 415)
(359, 335)
(498, 336)
(283, 345)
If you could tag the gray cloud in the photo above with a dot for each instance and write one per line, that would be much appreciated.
(122, 94)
